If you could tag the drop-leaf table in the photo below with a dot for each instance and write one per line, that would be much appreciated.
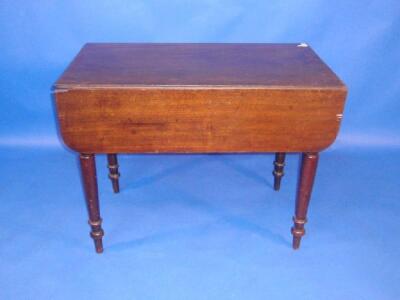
(198, 98)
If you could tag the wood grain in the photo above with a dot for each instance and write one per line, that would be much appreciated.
(262, 65)
(202, 120)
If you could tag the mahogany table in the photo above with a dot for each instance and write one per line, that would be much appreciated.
(198, 98)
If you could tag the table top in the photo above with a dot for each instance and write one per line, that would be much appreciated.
(271, 66)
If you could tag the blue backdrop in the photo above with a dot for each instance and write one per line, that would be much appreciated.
(359, 40)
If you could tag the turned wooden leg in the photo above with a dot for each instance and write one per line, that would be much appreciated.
(113, 174)
(88, 167)
(279, 164)
(309, 164)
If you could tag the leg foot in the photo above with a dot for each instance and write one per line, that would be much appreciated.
(113, 171)
(279, 164)
(88, 168)
(97, 234)
(307, 174)
(298, 231)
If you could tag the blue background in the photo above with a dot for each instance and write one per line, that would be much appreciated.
(202, 226)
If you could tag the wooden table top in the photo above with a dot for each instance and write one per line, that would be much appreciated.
(282, 66)
(198, 98)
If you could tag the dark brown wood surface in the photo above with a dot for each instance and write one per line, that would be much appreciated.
(151, 98)
(89, 178)
(309, 163)
(278, 172)
(203, 120)
(262, 65)
(113, 171)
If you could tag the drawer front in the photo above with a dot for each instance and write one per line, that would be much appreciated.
(154, 120)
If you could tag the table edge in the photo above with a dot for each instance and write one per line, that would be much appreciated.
(57, 88)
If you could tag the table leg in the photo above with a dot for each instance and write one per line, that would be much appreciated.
(88, 168)
(279, 164)
(113, 171)
(307, 173)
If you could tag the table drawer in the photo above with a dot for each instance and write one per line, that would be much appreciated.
(204, 120)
